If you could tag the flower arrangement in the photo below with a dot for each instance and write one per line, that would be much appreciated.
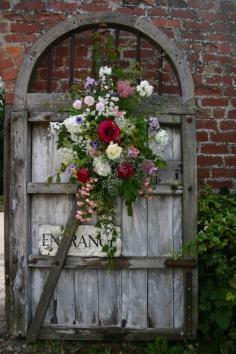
(104, 145)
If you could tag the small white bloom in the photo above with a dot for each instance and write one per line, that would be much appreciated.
(144, 88)
(89, 100)
(54, 127)
(161, 137)
(77, 104)
(100, 106)
(104, 70)
(73, 127)
(101, 167)
(113, 151)
(65, 155)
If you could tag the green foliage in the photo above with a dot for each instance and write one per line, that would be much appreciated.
(216, 244)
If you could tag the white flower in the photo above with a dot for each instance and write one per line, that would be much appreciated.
(77, 104)
(89, 100)
(73, 127)
(101, 167)
(65, 155)
(100, 106)
(104, 70)
(161, 137)
(113, 151)
(54, 127)
(144, 88)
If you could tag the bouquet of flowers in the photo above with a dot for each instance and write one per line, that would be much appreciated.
(105, 146)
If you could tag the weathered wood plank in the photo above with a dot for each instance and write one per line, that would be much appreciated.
(52, 279)
(154, 105)
(7, 250)
(38, 281)
(64, 298)
(46, 117)
(67, 188)
(122, 262)
(109, 333)
(86, 297)
(190, 194)
(19, 225)
(109, 297)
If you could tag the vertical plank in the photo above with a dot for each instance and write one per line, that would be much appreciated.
(37, 284)
(86, 297)
(19, 226)
(160, 243)
(190, 193)
(7, 250)
(134, 298)
(109, 297)
(64, 298)
(134, 282)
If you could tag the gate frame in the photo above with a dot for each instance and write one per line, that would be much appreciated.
(17, 196)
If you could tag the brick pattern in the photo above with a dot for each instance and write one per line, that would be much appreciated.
(204, 30)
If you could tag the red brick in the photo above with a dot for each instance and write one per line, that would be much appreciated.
(228, 125)
(230, 91)
(157, 12)
(194, 36)
(218, 113)
(20, 38)
(202, 136)
(203, 90)
(6, 64)
(15, 51)
(4, 5)
(50, 18)
(209, 160)
(66, 7)
(25, 28)
(214, 149)
(165, 23)
(127, 10)
(216, 58)
(187, 14)
(10, 74)
(30, 5)
(225, 137)
(9, 97)
(208, 124)
(214, 102)
(230, 161)
(3, 27)
(223, 172)
(233, 102)
(220, 184)
(219, 80)
(203, 173)
(232, 114)
(197, 26)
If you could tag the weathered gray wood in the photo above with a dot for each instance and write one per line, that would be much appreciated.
(7, 250)
(86, 297)
(64, 298)
(109, 297)
(122, 262)
(66, 188)
(190, 194)
(46, 117)
(37, 284)
(19, 225)
(168, 107)
(52, 279)
(109, 333)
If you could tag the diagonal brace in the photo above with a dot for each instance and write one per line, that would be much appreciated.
(53, 277)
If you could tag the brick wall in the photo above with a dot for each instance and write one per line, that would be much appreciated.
(204, 30)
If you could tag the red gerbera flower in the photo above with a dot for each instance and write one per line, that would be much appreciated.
(108, 131)
(125, 170)
(83, 174)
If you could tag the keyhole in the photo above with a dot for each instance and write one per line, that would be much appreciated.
(176, 175)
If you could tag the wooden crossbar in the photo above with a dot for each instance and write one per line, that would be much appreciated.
(53, 277)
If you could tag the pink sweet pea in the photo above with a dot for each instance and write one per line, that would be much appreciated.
(124, 89)
(77, 104)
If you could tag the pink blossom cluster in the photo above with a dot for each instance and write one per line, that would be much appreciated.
(87, 206)
(124, 89)
(147, 188)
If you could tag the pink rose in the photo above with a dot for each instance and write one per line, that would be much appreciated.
(124, 89)
(100, 106)
(77, 104)
(89, 100)
(133, 151)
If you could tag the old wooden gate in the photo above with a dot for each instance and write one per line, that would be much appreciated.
(150, 293)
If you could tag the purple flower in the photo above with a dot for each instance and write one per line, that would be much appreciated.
(79, 120)
(89, 81)
(154, 123)
(94, 144)
(149, 167)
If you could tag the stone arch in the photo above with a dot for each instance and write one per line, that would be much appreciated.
(140, 23)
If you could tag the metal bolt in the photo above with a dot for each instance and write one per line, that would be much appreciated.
(189, 120)
(190, 188)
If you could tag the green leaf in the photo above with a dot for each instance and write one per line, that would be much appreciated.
(58, 178)
(222, 318)
(49, 180)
